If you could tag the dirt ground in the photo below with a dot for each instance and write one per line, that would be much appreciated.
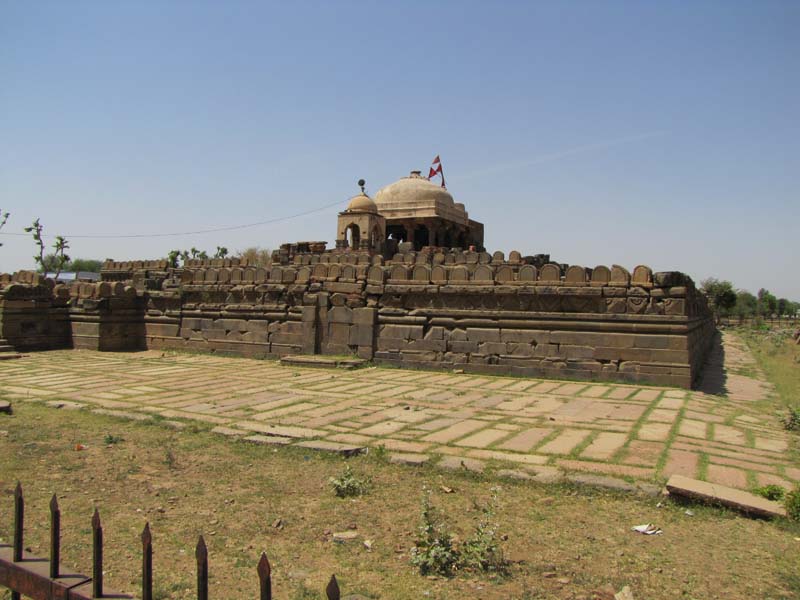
(564, 542)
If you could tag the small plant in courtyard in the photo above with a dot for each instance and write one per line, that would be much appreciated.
(792, 503)
(482, 551)
(380, 452)
(170, 460)
(770, 492)
(434, 552)
(111, 439)
(791, 420)
(348, 484)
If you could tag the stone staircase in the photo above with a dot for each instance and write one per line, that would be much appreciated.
(7, 351)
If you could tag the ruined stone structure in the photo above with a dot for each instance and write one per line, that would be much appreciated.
(466, 310)
(424, 306)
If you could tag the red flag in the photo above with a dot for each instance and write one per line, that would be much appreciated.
(438, 170)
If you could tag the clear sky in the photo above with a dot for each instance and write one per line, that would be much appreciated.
(659, 133)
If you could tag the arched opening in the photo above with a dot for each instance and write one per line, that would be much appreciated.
(353, 236)
(421, 237)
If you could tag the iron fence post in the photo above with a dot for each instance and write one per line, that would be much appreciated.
(97, 555)
(265, 577)
(55, 537)
(147, 563)
(201, 554)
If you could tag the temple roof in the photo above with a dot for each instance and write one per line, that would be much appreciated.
(416, 197)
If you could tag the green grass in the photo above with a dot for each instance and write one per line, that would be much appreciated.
(780, 362)
(779, 358)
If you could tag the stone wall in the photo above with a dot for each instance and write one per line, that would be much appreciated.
(35, 314)
(466, 310)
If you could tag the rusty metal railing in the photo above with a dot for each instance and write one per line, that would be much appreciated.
(43, 579)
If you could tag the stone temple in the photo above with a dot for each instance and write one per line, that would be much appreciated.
(408, 283)
(412, 210)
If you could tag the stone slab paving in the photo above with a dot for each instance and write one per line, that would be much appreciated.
(721, 433)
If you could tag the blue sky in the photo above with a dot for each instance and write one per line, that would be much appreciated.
(659, 133)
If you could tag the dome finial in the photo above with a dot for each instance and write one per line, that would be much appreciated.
(361, 184)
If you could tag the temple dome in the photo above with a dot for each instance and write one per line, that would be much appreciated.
(362, 203)
(412, 189)
(415, 196)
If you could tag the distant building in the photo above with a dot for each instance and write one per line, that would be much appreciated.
(68, 276)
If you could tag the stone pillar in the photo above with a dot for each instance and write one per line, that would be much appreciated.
(365, 321)
(410, 233)
(310, 324)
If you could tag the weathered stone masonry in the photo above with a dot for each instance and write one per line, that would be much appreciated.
(438, 309)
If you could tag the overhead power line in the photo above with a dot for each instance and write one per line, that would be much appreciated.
(181, 233)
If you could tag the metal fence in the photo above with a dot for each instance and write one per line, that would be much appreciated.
(44, 579)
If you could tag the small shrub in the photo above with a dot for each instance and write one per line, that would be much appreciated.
(380, 452)
(792, 503)
(170, 460)
(482, 551)
(791, 420)
(112, 439)
(433, 552)
(770, 492)
(349, 484)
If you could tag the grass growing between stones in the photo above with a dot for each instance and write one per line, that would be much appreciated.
(779, 358)
(563, 541)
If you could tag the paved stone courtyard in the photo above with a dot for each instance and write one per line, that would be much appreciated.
(538, 428)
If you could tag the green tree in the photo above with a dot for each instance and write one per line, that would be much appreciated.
(221, 252)
(60, 258)
(89, 265)
(720, 294)
(172, 257)
(746, 304)
(767, 303)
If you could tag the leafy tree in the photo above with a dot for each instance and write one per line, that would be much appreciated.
(720, 294)
(3, 220)
(192, 253)
(257, 256)
(60, 246)
(221, 252)
(746, 304)
(767, 303)
(89, 265)
(172, 257)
